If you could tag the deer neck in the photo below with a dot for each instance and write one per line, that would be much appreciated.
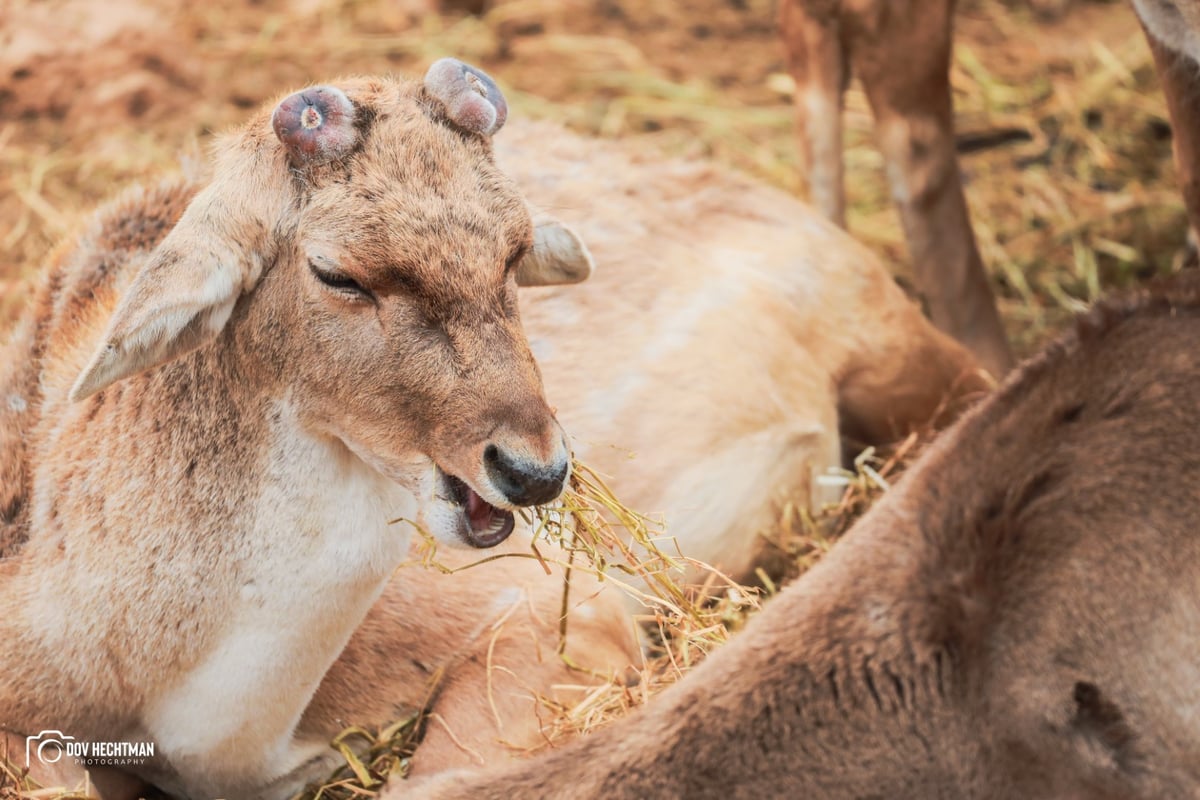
(299, 600)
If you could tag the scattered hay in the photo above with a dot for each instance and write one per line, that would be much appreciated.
(15, 784)
(587, 529)
(371, 758)
(590, 529)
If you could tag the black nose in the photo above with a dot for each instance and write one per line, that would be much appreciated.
(522, 482)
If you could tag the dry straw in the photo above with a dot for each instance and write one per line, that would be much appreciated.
(15, 783)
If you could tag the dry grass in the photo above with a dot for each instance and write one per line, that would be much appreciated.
(371, 758)
(15, 784)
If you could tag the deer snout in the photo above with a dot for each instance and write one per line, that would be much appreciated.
(526, 481)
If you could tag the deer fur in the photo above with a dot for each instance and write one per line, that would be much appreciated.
(485, 670)
(191, 552)
(1173, 23)
(1015, 619)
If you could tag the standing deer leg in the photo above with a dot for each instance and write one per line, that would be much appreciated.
(1181, 87)
(904, 67)
(817, 62)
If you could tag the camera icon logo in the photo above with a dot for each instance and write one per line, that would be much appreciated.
(47, 746)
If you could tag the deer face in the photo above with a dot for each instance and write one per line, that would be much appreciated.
(407, 285)
(376, 251)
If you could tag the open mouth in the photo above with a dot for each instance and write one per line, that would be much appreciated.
(484, 525)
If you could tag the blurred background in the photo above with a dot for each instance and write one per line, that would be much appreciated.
(1063, 136)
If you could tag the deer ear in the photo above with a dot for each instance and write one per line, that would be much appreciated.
(185, 292)
(181, 298)
(558, 256)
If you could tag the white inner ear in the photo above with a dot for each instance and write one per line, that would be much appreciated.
(161, 317)
(558, 256)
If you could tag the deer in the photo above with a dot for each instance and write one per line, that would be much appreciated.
(1014, 619)
(235, 396)
(756, 341)
(223, 397)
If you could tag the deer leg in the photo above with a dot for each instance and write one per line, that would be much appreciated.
(818, 65)
(1181, 87)
(895, 384)
(905, 72)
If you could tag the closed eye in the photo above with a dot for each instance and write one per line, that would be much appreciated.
(339, 281)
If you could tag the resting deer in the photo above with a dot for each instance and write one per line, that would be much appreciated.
(321, 339)
(226, 390)
(1015, 619)
(727, 338)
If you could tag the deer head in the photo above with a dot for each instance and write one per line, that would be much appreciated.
(359, 253)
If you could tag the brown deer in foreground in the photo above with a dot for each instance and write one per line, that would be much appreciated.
(1015, 619)
(223, 396)
(324, 337)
